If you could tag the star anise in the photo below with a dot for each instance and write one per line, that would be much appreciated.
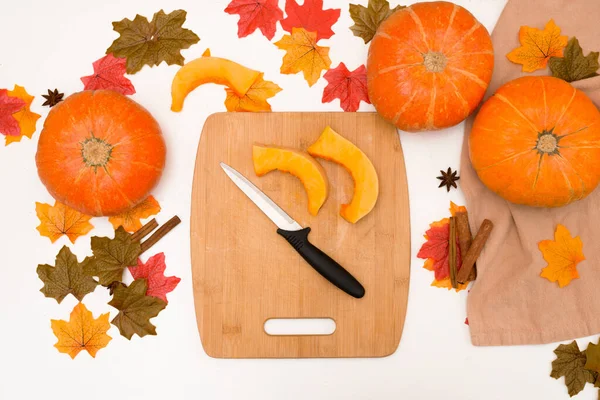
(448, 178)
(53, 98)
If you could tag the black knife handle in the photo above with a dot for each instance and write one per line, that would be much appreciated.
(322, 263)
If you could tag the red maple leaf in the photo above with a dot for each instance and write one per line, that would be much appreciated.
(256, 14)
(349, 87)
(436, 247)
(311, 17)
(154, 272)
(109, 73)
(9, 126)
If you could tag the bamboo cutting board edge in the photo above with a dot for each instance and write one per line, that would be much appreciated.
(212, 301)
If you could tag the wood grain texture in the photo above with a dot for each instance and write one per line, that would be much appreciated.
(245, 273)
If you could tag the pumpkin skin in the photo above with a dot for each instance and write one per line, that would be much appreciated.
(100, 152)
(334, 147)
(429, 66)
(536, 142)
(298, 163)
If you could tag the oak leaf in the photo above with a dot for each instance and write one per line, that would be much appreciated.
(570, 363)
(82, 332)
(59, 220)
(562, 255)
(256, 14)
(65, 278)
(9, 106)
(310, 16)
(109, 74)
(130, 219)
(349, 87)
(538, 46)
(112, 256)
(304, 55)
(26, 119)
(153, 271)
(150, 43)
(574, 66)
(255, 99)
(367, 19)
(135, 309)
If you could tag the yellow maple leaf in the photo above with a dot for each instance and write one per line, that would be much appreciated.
(454, 209)
(26, 118)
(537, 46)
(303, 54)
(255, 99)
(82, 332)
(130, 219)
(59, 220)
(562, 255)
(206, 53)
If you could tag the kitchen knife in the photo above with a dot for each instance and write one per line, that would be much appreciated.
(297, 236)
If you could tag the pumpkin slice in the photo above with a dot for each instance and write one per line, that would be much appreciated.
(334, 147)
(210, 70)
(298, 163)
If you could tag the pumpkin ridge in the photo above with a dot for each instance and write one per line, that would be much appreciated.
(116, 185)
(458, 93)
(512, 157)
(519, 113)
(396, 67)
(146, 165)
(539, 169)
(568, 181)
(450, 22)
(566, 107)
(476, 26)
(431, 109)
(404, 107)
(577, 131)
(471, 53)
(469, 75)
(419, 24)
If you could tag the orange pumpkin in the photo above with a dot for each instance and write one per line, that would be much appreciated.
(536, 141)
(100, 152)
(429, 66)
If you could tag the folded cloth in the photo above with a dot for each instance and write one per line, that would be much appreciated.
(510, 303)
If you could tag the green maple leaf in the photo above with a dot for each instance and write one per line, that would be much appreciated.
(570, 363)
(574, 66)
(367, 19)
(112, 256)
(66, 277)
(150, 43)
(592, 354)
(135, 309)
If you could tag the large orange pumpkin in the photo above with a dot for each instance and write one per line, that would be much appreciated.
(429, 66)
(536, 141)
(100, 152)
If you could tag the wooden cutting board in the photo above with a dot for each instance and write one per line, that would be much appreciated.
(245, 273)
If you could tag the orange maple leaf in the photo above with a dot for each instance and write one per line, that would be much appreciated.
(255, 99)
(537, 46)
(304, 55)
(82, 332)
(130, 219)
(59, 220)
(456, 209)
(26, 119)
(562, 255)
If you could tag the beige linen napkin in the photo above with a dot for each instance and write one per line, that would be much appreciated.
(510, 303)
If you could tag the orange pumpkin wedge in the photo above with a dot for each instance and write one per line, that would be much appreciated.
(298, 163)
(210, 70)
(332, 146)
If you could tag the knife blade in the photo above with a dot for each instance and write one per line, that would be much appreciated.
(297, 236)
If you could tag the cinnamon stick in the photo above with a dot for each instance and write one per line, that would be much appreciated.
(465, 237)
(475, 250)
(144, 230)
(452, 252)
(160, 233)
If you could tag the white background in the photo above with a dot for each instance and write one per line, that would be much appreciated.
(47, 44)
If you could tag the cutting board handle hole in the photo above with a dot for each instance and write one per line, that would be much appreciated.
(299, 326)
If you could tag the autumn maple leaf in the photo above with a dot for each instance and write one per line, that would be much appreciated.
(256, 14)
(26, 119)
(59, 220)
(130, 220)
(153, 271)
(310, 16)
(8, 107)
(562, 255)
(437, 248)
(538, 46)
(109, 73)
(255, 99)
(349, 87)
(304, 55)
(82, 332)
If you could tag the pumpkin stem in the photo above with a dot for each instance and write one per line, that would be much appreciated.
(435, 61)
(547, 143)
(95, 152)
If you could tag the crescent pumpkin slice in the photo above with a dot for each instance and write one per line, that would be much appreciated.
(298, 163)
(332, 146)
